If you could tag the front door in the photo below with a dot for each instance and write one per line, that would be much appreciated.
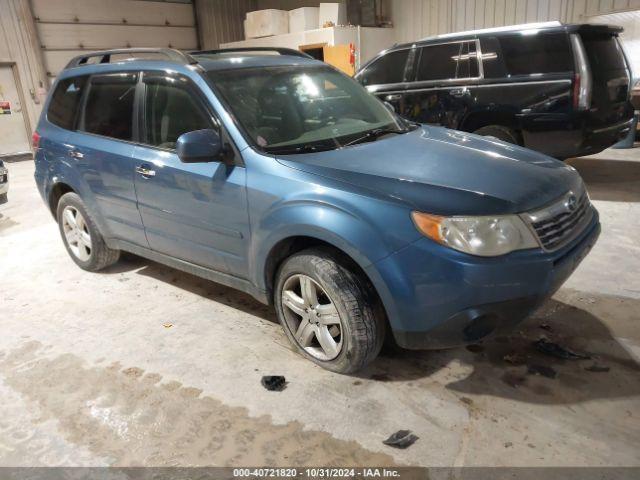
(195, 212)
(13, 127)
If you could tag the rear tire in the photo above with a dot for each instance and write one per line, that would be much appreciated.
(322, 303)
(4, 198)
(81, 236)
(505, 134)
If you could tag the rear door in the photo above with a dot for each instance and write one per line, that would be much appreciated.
(442, 91)
(195, 212)
(101, 150)
(611, 79)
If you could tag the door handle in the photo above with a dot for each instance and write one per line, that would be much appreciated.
(459, 92)
(391, 98)
(76, 154)
(145, 172)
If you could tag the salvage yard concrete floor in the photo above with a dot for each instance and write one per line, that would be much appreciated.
(145, 365)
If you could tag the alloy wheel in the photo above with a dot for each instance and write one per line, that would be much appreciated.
(312, 317)
(76, 233)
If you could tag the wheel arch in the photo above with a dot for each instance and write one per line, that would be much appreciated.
(55, 194)
(475, 120)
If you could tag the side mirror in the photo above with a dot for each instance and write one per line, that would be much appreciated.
(199, 146)
(390, 107)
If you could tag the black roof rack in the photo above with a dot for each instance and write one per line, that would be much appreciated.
(281, 51)
(105, 55)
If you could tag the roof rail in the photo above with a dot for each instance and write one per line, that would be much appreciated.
(105, 55)
(508, 28)
(280, 50)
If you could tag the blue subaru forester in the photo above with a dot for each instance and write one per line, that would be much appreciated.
(275, 174)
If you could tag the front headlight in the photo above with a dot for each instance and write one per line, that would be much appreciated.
(486, 236)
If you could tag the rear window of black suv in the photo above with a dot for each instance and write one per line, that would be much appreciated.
(528, 54)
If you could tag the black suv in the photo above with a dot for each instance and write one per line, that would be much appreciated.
(560, 89)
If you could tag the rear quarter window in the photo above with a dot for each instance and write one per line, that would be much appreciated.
(65, 102)
(389, 68)
(528, 54)
(604, 52)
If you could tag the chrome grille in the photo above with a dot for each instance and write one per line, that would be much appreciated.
(560, 222)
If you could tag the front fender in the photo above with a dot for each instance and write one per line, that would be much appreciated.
(330, 223)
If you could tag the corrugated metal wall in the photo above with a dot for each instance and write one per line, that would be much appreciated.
(415, 19)
(19, 46)
(221, 21)
(70, 27)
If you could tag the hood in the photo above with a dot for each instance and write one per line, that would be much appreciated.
(446, 172)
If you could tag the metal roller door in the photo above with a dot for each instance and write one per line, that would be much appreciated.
(70, 27)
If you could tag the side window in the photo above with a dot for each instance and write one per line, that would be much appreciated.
(171, 108)
(467, 61)
(492, 58)
(389, 68)
(65, 102)
(439, 62)
(108, 108)
(539, 53)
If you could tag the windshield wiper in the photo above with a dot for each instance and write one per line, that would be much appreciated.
(374, 134)
(304, 148)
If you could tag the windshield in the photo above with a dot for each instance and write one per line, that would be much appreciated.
(295, 110)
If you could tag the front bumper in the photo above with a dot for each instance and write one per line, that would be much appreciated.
(436, 297)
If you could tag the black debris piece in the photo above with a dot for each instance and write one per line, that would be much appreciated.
(274, 383)
(545, 326)
(542, 370)
(597, 367)
(553, 349)
(515, 358)
(401, 439)
(475, 348)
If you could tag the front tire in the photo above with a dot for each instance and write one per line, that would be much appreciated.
(81, 236)
(328, 311)
(505, 134)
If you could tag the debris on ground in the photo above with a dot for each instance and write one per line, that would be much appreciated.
(597, 367)
(553, 349)
(475, 348)
(274, 383)
(401, 439)
(466, 400)
(542, 370)
(167, 325)
(514, 379)
(515, 358)
(508, 444)
(545, 326)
